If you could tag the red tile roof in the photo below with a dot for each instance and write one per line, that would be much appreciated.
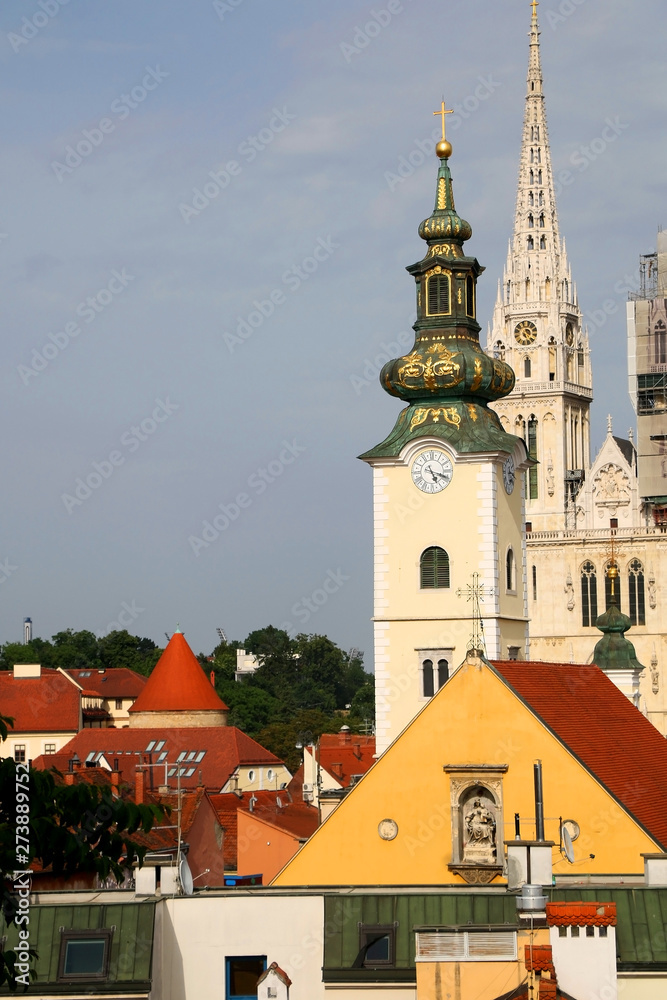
(46, 704)
(581, 914)
(116, 682)
(539, 958)
(178, 683)
(603, 729)
(295, 818)
(345, 754)
(222, 750)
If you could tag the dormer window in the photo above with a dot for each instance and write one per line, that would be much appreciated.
(438, 295)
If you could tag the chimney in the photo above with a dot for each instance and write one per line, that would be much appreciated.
(139, 785)
(115, 778)
(345, 734)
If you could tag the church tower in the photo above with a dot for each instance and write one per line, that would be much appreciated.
(450, 568)
(537, 330)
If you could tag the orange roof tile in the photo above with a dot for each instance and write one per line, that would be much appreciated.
(115, 682)
(295, 818)
(216, 751)
(46, 704)
(343, 755)
(178, 683)
(603, 729)
(539, 958)
(581, 914)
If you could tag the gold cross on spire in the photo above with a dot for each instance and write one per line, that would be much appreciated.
(535, 4)
(443, 111)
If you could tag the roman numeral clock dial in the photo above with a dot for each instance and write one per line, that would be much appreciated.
(432, 471)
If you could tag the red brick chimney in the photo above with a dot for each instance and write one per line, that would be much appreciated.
(139, 785)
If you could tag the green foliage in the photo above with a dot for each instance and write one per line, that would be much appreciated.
(84, 651)
(281, 738)
(72, 828)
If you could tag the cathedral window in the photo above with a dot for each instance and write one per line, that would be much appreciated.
(531, 199)
(438, 295)
(470, 297)
(540, 200)
(428, 688)
(547, 287)
(542, 221)
(566, 289)
(532, 177)
(531, 221)
(531, 243)
(552, 359)
(499, 351)
(509, 291)
(527, 368)
(534, 583)
(636, 593)
(531, 445)
(543, 243)
(434, 569)
(443, 672)
(510, 572)
(539, 176)
(612, 582)
(660, 342)
(589, 595)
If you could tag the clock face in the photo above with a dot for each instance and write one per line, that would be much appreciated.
(509, 475)
(526, 332)
(432, 471)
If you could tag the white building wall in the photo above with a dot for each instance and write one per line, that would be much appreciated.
(586, 966)
(195, 934)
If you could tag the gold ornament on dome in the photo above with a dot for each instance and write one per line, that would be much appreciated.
(446, 249)
(479, 374)
(447, 413)
(431, 368)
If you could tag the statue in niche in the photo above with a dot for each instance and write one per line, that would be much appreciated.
(655, 673)
(569, 590)
(652, 596)
(480, 834)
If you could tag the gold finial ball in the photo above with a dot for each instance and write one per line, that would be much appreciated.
(444, 149)
(612, 572)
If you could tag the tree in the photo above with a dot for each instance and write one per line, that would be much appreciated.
(71, 828)
(281, 738)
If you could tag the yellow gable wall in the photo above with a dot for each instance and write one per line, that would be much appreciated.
(474, 719)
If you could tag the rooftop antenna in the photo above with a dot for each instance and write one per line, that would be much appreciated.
(167, 636)
(476, 592)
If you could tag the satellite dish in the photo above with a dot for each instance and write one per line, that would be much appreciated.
(185, 876)
(567, 844)
(279, 802)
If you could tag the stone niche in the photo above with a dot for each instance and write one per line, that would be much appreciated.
(476, 796)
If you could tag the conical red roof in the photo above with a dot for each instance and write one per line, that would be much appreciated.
(178, 683)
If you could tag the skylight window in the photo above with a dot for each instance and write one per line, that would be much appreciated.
(200, 755)
(150, 746)
(192, 755)
(160, 745)
(191, 771)
(172, 772)
(181, 756)
(163, 756)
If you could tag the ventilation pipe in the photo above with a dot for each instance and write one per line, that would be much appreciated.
(539, 802)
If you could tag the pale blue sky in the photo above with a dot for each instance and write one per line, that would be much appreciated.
(328, 123)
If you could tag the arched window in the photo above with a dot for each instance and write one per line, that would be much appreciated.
(510, 578)
(470, 297)
(531, 445)
(531, 221)
(526, 367)
(534, 583)
(531, 243)
(531, 198)
(434, 569)
(532, 176)
(636, 593)
(543, 243)
(540, 200)
(509, 291)
(660, 342)
(438, 295)
(542, 221)
(611, 582)
(552, 359)
(589, 595)
(499, 351)
(443, 672)
(428, 689)
(566, 290)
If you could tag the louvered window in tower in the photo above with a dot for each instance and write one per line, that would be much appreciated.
(636, 593)
(470, 297)
(438, 291)
(434, 569)
(589, 595)
(531, 445)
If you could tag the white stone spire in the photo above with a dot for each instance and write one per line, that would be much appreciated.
(537, 326)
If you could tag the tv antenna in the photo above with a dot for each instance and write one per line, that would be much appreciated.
(476, 592)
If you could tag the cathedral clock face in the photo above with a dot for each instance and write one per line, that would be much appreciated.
(509, 475)
(526, 332)
(432, 471)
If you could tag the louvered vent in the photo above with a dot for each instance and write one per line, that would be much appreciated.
(466, 946)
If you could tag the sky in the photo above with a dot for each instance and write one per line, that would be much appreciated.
(207, 211)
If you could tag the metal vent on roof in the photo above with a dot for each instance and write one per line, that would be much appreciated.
(471, 946)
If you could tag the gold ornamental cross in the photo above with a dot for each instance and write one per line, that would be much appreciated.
(535, 4)
(443, 111)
